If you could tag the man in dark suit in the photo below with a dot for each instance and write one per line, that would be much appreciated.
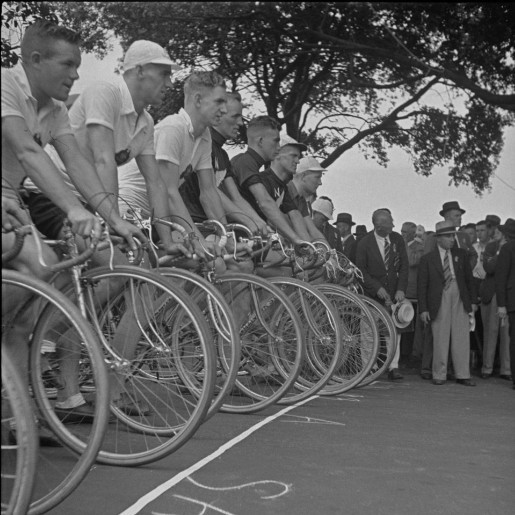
(344, 225)
(505, 286)
(382, 258)
(447, 298)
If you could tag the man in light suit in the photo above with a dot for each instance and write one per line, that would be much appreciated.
(447, 299)
(382, 258)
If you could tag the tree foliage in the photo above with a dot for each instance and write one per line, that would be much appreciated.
(434, 79)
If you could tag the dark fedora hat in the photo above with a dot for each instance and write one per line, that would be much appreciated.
(344, 217)
(361, 230)
(508, 227)
(493, 220)
(453, 204)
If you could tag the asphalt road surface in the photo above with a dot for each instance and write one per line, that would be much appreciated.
(398, 448)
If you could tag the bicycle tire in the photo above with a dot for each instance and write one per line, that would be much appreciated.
(50, 491)
(387, 340)
(224, 332)
(360, 339)
(259, 384)
(150, 374)
(19, 457)
(322, 332)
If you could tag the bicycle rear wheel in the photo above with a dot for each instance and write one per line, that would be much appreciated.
(268, 326)
(19, 440)
(59, 324)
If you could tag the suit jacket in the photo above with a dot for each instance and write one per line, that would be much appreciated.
(348, 246)
(464, 242)
(505, 277)
(431, 281)
(332, 235)
(487, 286)
(371, 264)
(415, 251)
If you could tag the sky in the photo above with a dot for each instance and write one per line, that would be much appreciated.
(359, 186)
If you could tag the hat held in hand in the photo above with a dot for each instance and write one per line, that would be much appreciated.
(403, 313)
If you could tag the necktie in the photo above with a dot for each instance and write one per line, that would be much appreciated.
(387, 253)
(447, 270)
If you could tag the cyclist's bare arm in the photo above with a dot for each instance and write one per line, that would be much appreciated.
(233, 194)
(158, 200)
(169, 172)
(274, 215)
(98, 194)
(38, 165)
(298, 224)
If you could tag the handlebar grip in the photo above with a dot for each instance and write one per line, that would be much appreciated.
(19, 235)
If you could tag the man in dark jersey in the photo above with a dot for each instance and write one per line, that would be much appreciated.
(235, 206)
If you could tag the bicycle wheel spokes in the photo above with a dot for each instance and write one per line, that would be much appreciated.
(272, 345)
(19, 439)
(223, 330)
(162, 364)
(61, 341)
(321, 329)
(387, 340)
(359, 336)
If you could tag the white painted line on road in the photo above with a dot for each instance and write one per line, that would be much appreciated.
(161, 489)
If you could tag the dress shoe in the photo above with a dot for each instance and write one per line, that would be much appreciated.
(426, 375)
(438, 382)
(83, 414)
(506, 377)
(466, 382)
(131, 407)
(486, 376)
(393, 375)
(46, 438)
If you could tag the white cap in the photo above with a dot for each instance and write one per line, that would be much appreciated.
(288, 140)
(309, 164)
(146, 52)
(323, 206)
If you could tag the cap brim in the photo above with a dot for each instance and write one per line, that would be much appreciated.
(301, 146)
(450, 209)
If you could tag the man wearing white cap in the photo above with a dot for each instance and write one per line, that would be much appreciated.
(303, 188)
(322, 211)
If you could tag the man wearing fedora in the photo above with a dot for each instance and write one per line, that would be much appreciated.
(447, 300)
(452, 212)
(382, 258)
(344, 225)
(505, 286)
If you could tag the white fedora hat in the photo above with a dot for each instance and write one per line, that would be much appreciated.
(403, 313)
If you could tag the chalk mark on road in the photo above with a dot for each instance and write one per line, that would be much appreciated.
(285, 487)
(311, 420)
(161, 489)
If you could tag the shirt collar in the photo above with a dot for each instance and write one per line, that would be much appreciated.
(21, 78)
(217, 137)
(127, 102)
(381, 238)
(259, 160)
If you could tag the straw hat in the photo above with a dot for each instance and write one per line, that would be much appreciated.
(403, 313)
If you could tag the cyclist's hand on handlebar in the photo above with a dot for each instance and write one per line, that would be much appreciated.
(128, 232)
(177, 248)
(13, 216)
(84, 223)
(302, 248)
